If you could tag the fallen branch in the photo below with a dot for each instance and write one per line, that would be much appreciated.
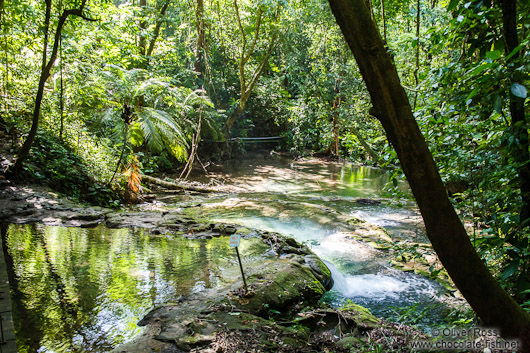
(178, 185)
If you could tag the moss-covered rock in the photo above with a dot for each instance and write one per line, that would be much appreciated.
(369, 233)
(320, 270)
(280, 285)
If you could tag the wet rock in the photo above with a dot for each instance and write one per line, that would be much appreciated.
(320, 270)
(229, 230)
(280, 285)
(368, 202)
(85, 216)
(147, 220)
(372, 234)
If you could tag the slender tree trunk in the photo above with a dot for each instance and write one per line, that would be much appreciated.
(366, 146)
(232, 119)
(24, 151)
(156, 31)
(417, 68)
(384, 20)
(194, 146)
(46, 32)
(1, 13)
(447, 234)
(199, 55)
(45, 74)
(61, 94)
(247, 91)
(336, 123)
(142, 40)
(3, 28)
(247, 86)
(517, 109)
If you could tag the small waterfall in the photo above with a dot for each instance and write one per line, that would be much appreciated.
(339, 281)
(381, 286)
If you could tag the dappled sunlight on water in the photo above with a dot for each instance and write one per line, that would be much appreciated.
(86, 289)
(312, 202)
(310, 178)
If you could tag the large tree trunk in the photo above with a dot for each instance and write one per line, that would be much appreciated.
(391, 106)
(232, 119)
(518, 125)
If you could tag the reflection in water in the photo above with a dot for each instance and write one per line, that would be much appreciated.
(84, 290)
(307, 178)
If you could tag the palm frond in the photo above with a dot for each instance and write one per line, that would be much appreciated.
(151, 133)
(160, 129)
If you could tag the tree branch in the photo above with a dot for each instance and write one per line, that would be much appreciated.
(243, 48)
(45, 74)
(256, 36)
(262, 66)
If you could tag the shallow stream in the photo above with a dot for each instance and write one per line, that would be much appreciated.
(308, 201)
(85, 289)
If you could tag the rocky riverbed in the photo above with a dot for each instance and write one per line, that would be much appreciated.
(279, 313)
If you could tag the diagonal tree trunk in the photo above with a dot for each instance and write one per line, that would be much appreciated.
(142, 39)
(199, 24)
(158, 25)
(45, 74)
(391, 106)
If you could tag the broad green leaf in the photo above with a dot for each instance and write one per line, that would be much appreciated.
(497, 104)
(494, 55)
(515, 51)
(477, 70)
(452, 5)
(473, 93)
(510, 270)
(518, 90)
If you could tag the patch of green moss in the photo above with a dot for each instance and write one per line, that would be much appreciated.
(354, 221)
(361, 315)
(280, 285)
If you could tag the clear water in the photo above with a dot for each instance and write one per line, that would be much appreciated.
(309, 201)
(84, 290)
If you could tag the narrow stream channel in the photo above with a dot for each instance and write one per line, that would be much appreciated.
(84, 290)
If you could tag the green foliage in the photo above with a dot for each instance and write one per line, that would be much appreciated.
(59, 166)
(464, 114)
